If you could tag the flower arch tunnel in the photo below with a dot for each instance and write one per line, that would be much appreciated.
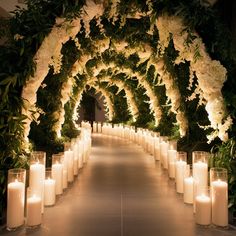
(103, 55)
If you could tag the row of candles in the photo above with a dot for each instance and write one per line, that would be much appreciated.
(44, 183)
(210, 203)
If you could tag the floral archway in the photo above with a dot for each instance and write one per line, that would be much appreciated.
(169, 71)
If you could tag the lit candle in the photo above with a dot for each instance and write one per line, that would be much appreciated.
(33, 212)
(200, 173)
(75, 153)
(180, 167)
(65, 179)
(15, 204)
(200, 176)
(164, 154)
(99, 126)
(57, 175)
(36, 179)
(68, 155)
(219, 203)
(188, 190)
(171, 163)
(50, 192)
(203, 210)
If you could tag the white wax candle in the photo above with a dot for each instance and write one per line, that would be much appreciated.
(164, 154)
(36, 179)
(50, 192)
(15, 204)
(157, 153)
(200, 173)
(69, 156)
(99, 127)
(219, 191)
(171, 163)
(203, 210)
(180, 167)
(75, 153)
(57, 175)
(200, 176)
(65, 179)
(188, 190)
(33, 212)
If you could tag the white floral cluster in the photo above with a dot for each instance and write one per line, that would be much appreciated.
(154, 104)
(65, 97)
(210, 74)
(92, 9)
(132, 106)
(173, 95)
(113, 13)
(51, 45)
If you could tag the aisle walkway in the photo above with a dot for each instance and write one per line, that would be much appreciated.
(121, 192)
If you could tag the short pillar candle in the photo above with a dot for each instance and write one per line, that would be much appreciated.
(203, 206)
(33, 209)
(50, 189)
(57, 172)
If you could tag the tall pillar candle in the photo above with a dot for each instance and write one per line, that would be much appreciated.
(219, 193)
(180, 168)
(57, 172)
(69, 157)
(50, 189)
(200, 171)
(37, 173)
(164, 152)
(15, 198)
(171, 163)
(75, 156)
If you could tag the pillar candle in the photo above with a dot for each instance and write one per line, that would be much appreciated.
(75, 155)
(33, 210)
(15, 204)
(50, 192)
(200, 173)
(68, 155)
(36, 179)
(171, 163)
(180, 167)
(65, 179)
(203, 210)
(200, 176)
(57, 175)
(188, 190)
(164, 153)
(219, 191)
(99, 128)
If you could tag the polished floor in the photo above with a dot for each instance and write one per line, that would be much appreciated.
(121, 191)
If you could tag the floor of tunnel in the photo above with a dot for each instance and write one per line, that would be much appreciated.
(121, 191)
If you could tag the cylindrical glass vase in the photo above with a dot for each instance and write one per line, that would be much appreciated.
(33, 209)
(203, 206)
(50, 189)
(180, 168)
(219, 194)
(15, 198)
(57, 172)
